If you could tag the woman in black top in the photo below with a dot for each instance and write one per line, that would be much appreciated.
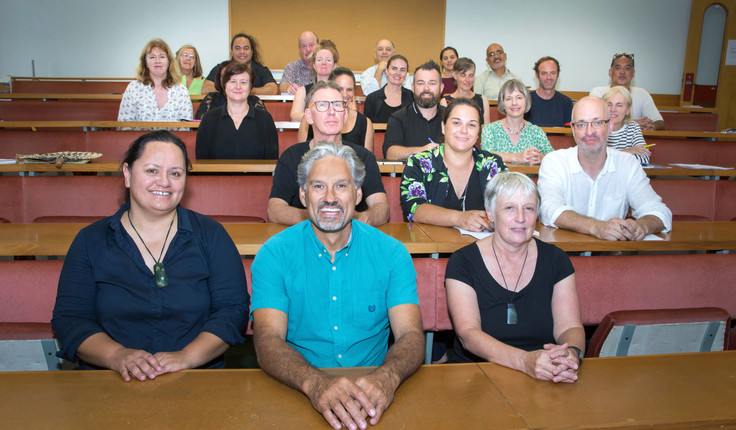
(237, 130)
(464, 73)
(357, 129)
(379, 105)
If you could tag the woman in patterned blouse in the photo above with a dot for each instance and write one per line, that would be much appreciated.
(625, 134)
(512, 138)
(157, 93)
(444, 185)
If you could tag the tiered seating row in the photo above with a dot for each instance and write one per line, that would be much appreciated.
(28, 288)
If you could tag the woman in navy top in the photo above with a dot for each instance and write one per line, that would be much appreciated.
(155, 288)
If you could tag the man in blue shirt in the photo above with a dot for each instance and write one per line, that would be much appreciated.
(325, 292)
(550, 108)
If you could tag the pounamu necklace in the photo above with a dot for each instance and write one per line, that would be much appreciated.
(511, 316)
(159, 274)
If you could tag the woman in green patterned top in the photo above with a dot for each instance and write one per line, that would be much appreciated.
(513, 138)
(444, 185)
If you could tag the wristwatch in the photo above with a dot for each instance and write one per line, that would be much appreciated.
(580, 353)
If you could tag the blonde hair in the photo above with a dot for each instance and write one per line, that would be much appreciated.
(197, 71)
(625, 93)
(142, 73)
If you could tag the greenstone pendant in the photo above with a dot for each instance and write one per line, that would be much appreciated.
(511, 318)
(159, 274)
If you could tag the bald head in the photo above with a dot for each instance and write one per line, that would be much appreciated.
(384, 50)
(495, 56)
(307, 42)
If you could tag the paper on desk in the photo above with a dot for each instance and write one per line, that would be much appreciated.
(482, 234)
(655, 166)
(7, 161)
(652, 237)
(700, 166)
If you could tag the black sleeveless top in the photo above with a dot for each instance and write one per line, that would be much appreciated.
(476, 98)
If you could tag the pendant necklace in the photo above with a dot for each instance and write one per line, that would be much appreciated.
(159, 274)
(511, 317)
(523, 126)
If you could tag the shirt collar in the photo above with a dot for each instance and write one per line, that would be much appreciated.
(608, 167)
(320, 248)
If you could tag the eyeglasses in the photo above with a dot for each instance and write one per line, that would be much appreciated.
(598, 124)
(497, 53)
(188, 56)
(324, 105)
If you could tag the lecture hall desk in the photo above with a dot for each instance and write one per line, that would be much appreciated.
(54, 238)
(681, 391)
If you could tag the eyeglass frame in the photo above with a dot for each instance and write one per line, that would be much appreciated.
(192, 56)
(617, 55)
(577, 125)
(343, 104)
(498, 53)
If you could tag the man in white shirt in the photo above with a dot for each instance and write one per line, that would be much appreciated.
(374, 77)
(643, 109)
(489, 82)
(589, 188)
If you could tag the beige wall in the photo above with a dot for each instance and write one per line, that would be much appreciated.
(415, 26)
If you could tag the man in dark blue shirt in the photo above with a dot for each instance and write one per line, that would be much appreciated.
(550, 108)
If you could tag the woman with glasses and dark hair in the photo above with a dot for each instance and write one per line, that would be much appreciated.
(156, 94)
(464, 76)
(155, 288)
(244, 49)
(513, 138)
(238, 129)
(190, 69)
(358, 129)
(444, 185)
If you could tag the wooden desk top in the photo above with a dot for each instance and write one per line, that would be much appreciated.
(661, 391)
(55, 238)
(198, 166)
(237, 399)
(685, 236)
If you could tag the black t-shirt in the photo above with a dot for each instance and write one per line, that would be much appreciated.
(555, 112)
(262, 75)
(217, 137)
(286, 188)
(408, 127)
(533, 302)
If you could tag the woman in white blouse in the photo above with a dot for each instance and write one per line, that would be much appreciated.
(157, 93)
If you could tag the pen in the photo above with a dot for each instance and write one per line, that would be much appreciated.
(294, 86)
(430, 140)
(651, 144)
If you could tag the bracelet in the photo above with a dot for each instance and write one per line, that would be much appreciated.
(580, 353)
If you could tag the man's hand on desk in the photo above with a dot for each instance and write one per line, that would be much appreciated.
(380, 389)
(341, 402)
(619, 229)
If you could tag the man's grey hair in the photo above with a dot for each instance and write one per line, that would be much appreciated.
(329, 149)
(506, 184)
(320, 86)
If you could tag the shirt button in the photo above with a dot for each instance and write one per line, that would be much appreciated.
(320, 255)
(335, 327)
(334, 297)
(334, 268)
(339, 355)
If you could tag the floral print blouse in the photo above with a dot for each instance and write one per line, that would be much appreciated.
(425, 178)
(495, 139)
(139, 104)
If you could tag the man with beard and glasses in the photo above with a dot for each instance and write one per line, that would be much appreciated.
(590, 187)
(326, 113)
(550, 108)
(326, 292)
(417, 127)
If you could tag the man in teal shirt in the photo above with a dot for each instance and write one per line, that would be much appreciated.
(326, 291)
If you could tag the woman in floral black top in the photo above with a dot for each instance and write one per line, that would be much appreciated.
(444, 186)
